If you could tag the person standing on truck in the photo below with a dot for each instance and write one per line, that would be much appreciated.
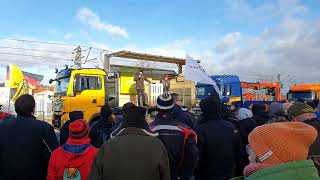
(166, 84)
(139, 78)
(26, 143)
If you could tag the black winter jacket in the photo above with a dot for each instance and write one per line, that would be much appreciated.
(220, 150)
(24, 148)
(183, 158)
(100, 132)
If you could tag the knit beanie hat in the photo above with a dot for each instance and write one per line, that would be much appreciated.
(283, 142)
(75, 115)
(78, 129)
(211, 105)
(165, 102)
(298, 109)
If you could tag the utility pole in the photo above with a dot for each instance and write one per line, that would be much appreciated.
(77, 58)
(279, 79)
(106, 62)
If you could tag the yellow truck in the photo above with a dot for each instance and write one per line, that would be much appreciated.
(88, 89)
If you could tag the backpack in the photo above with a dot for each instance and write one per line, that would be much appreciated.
(71, 174)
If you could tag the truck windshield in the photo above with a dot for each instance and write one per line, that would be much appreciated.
(61, 86)
(294, 96)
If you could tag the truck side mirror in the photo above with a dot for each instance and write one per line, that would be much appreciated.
(50, 81)
(77, 84)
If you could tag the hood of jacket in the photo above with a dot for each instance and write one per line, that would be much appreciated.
(244, 113)
(276, 110)
(287, 171)
(259, 110)
(72, 159)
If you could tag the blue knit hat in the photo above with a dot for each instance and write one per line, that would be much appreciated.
(165, 102)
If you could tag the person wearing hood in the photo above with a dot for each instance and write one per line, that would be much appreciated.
(100, 131)
(133, 152)
(260, 113)
(279, 151)
(301, 112)
(179, 140)
(219, 144)
(179, 114)
(245, 124)
(25, 143)
(64, 131)
(276, 110)
(74, 158)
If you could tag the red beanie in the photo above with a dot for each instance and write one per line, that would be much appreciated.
(78, 129)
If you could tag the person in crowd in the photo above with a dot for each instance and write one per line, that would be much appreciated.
(245, 124)
(227, 114)
(25, 143)
(276, 110)
(179, 114)
(166, 84)
(260, 113)
(286, 106)
(139, 78)
(64, 131)
(301, 112)
(73, 159)
(279, 151)
(187, 111)
(179, 140)
(314, 104)
(133, 153)
(100, 131)
(219, 144)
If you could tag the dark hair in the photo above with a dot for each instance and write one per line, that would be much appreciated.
(25, 105)
(140, 70)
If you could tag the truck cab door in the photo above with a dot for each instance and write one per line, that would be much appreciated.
(85, 97)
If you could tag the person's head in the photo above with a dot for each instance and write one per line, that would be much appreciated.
(176, 98)
(134, 116)
(78, 129)
(127, 106)
(300, 112)
(75, 115)
(244, 113)
(166, 77)
(106, 112)
(165, 102)
(211, 105)
(140, 72)
(25, 105)
(276, 110)
(283, 142)
(259, 109)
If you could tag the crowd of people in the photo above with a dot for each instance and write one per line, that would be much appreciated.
(278, 141)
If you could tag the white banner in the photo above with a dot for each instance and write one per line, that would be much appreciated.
(193, 71)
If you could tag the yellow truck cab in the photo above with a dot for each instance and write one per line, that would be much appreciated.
(79, 89)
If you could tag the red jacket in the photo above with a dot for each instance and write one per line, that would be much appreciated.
(62, 159)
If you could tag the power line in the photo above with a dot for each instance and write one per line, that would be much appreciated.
(47, 57)
(46, 42)
(40, 50)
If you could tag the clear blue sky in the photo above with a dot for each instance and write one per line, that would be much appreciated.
(205, 28)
